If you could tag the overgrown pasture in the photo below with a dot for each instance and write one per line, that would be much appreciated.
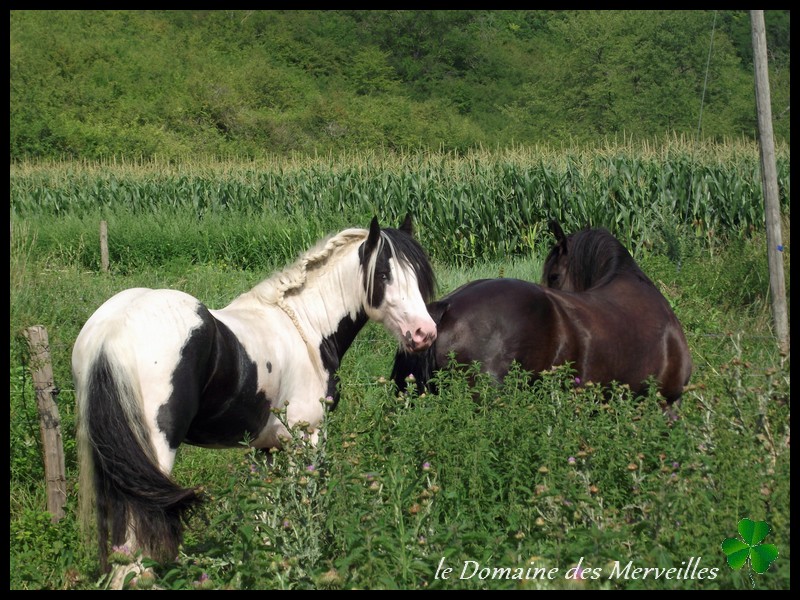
(507, 487)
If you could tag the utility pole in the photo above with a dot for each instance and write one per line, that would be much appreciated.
(769, 182)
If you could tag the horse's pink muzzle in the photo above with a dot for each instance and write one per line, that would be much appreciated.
(420, 340)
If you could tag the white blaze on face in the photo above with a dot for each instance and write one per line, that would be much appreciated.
(403, 310)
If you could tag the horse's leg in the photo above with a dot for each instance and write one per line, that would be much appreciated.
(307, 407)
(120, 571)
(134, 549)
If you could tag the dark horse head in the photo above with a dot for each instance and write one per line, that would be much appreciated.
(587, 259)
(593, 263)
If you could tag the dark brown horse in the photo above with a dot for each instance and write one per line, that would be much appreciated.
(595, 309)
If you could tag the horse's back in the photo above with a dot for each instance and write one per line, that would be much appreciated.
(139, 321)
(494, 322)
(136, 303)
(629, 333)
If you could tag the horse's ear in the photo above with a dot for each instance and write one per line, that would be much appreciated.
(555, 228)
(408, 225)
(373, 237)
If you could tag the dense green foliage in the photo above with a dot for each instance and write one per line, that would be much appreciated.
(399, 484)
(468, 208)
(175, 84)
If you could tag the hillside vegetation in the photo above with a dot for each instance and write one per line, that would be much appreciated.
(177, 84)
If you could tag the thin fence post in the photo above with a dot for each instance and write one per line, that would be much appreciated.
(49, 421)
(104, 246)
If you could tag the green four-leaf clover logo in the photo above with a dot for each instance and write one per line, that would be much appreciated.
(750, 547)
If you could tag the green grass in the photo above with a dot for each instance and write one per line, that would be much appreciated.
(468, 477)
(500, 489)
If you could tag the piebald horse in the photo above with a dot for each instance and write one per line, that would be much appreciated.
(154, 369)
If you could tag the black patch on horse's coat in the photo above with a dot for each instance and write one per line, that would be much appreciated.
(215, 398)
(382, 274)
(269, 367)
(333, 347)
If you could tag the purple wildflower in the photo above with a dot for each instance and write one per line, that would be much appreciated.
(204, 583)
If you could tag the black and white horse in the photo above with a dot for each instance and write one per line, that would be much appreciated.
(157, 368)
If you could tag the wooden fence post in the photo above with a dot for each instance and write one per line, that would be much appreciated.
(49, 422)
(769, 183)
(104, 246)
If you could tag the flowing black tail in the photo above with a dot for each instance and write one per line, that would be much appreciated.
(134, 499)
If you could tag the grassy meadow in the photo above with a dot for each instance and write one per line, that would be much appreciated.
(507, 487)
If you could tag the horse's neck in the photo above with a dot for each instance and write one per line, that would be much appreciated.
(329, 295)
(324, 303)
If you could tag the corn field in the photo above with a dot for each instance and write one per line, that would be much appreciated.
(485, 205)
